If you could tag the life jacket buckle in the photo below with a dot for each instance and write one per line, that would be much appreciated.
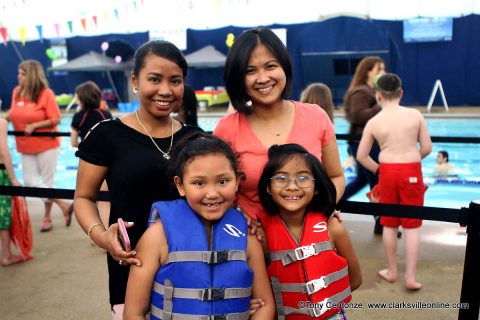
(316, 285)
(304, 252)
(213, 294)
(218, 317)
(219, 256)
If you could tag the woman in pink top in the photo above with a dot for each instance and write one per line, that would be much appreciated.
(258, 78)
(34, 109)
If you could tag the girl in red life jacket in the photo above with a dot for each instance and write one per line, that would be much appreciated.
(313, 267)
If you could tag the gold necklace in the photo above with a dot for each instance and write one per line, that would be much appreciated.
(165, 154)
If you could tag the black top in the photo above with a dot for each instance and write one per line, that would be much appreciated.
(136, 178)
(83, 120)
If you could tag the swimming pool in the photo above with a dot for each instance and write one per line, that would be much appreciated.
(465, 158)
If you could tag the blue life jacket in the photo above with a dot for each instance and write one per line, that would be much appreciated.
(199, 281)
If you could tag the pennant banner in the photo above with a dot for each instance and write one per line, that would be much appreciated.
(40, 32)
(3, 32)
(94, 18)
(23, 34)
(70, 26)
(83, 21)
(57, 29)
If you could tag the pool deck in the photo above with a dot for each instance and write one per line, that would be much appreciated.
(67, 279)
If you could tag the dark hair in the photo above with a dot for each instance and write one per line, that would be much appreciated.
(237, 63)
(360, 76)
(199, 144)
(444, 154)
(89, 95)
(389, 85)
(162, 49)
(324, 199)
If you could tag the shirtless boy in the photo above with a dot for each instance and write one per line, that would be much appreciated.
(397, 130)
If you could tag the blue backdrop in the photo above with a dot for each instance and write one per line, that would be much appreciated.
(322, 51)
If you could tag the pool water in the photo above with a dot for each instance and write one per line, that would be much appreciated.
(465, 158)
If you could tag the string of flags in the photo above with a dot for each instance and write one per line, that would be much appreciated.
(85, 24)
(79, 26)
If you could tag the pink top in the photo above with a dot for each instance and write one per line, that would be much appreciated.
(24, 112)
(311, 128)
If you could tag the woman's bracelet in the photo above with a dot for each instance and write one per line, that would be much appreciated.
(93, 226)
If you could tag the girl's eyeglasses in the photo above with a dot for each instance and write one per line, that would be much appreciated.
(301, 181)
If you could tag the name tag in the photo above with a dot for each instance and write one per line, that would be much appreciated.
(412, 179)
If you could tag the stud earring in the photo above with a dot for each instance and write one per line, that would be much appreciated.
(249, 104)
(135, 91)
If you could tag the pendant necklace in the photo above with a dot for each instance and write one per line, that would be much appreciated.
(165, 154)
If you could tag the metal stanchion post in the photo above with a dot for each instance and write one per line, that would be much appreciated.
(470, 295)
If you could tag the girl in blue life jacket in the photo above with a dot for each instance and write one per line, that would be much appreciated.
(198, 259)
(313, 267)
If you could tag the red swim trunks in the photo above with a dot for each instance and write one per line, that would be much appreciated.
(401, 183)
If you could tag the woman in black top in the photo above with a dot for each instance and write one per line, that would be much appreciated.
(132, 153)
(88, 98)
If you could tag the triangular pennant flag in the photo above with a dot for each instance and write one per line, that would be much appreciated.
(94, 18)
(135, 5)
(70, 26)
(116, 13)
(23, 34)
(142, 2)
(3, 32)
(40, 32)
(83, 21)
(57, 29)
(105, 16)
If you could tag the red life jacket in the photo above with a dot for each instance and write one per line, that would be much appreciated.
(309, 279)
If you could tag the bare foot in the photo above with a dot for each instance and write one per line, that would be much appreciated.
(387, 276)
(413, 285)
(8, 261)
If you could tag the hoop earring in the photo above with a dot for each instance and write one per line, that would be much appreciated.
(135, 91)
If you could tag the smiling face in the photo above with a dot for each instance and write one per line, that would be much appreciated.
(209, 184)
(160, 86)
(290, 198)
(265, 79)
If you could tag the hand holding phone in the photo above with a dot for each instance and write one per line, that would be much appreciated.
(123, 235)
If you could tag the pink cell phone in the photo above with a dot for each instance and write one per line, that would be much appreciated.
(123, 235)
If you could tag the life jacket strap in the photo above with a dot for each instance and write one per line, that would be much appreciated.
(300, 253)
(319, 308)
(208, 294)
(277, 292)
(209, 257)
(314, 285)
(162, 314)
(168, 297)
